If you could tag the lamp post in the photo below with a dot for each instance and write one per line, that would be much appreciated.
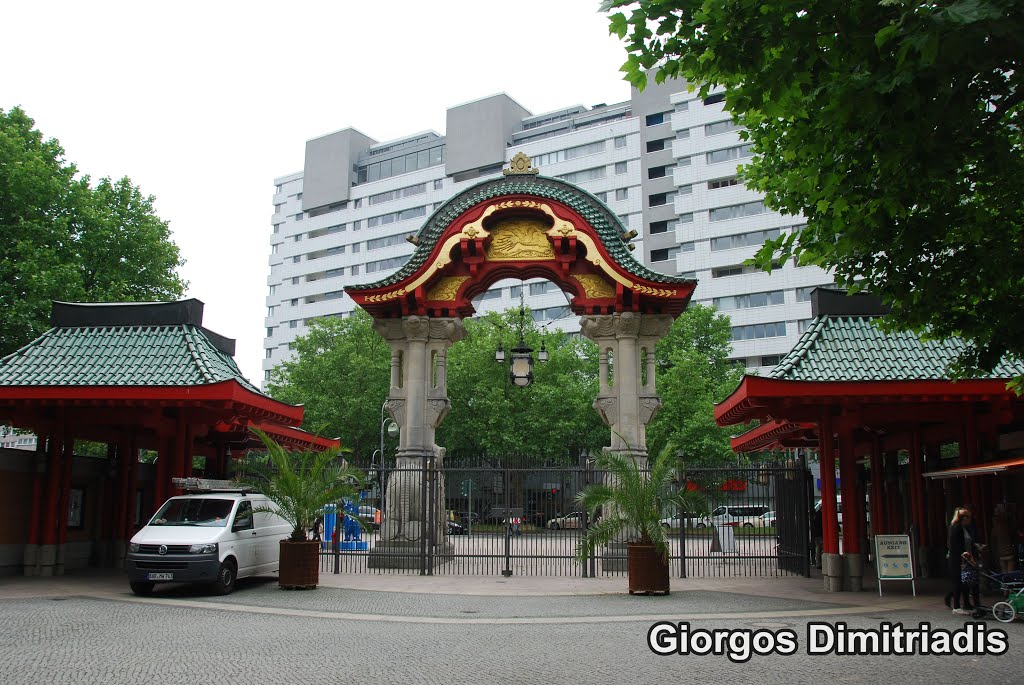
(392, 429)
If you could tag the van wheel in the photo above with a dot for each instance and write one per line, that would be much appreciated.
(555, 526)
(748, 525)
(701, 524)
(225, 582)
(142, 588)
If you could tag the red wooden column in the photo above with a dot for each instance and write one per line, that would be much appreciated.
(829, 515)
(892, 491)
(878, 504)
(122, 491)
(131, 487)
(35, 520)
(970, 452)
(188, 448)
(162, 478)
(917, 487)
(848, 486)
(934, 508)
(65, 498)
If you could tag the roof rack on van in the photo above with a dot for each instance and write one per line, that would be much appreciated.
(198, 485)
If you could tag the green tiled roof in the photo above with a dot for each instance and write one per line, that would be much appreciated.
(853, 348)
(605, 222)
(170, 355)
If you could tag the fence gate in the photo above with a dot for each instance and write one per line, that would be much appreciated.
(503, 516)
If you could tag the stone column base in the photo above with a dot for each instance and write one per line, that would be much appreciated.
(47, 560)
(30, 560)
(394, 554)
(853, 569)
(832, 569)
(614, 557)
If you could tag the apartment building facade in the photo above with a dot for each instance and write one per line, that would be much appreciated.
(664, 161)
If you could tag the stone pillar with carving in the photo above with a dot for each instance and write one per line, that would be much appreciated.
(417, 402)
(627, 397)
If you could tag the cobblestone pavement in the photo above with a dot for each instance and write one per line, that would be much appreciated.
(331, 635)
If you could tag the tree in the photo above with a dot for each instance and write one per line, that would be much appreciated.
(694, 373)
(894, 127)
(550, 419)
(65, 240)
(341, 373)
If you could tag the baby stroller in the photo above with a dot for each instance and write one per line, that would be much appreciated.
(1010, 584)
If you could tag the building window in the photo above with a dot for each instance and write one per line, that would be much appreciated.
(438, 184)
(737, 211)
(295, 300)
(660, 171)
(731, 242)
(620, 142)
(660, 199)
(299, 216)
(357, 203)
(387, 241)
(277, 228)
(602, 196)
(723, 183)
(320, 232)
(266, 375)
(294, 323)
(665, 254)
(662, 226)
(714, 99)
(355, 247)
(270, 331)
(356, 225)
(687, 247)
(296, 259)
(569, 153)
(776, 329)
(621, 167)
(269, 353)
(402, 164)
(682, 134)
(329, 252)
(749, 300)
(686, 218)
(718, 127)
(515, 291)
(683, 106)
(355, 269)
(273, 289)
(685, 190)
(729, 153)
(622, 193)
(585, 175)
(295, 280)
(541, 288)
(297, 237)
(655, 119)
(656, 145)
(398, 193)
(273, 248)
(384, 264)
(771, 359)
(385, 219)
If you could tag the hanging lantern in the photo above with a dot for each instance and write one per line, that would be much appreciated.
(521, 368)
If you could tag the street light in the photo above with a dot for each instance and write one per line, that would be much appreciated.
(393, 430)
(521, 363)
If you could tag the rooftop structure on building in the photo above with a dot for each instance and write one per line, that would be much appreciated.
(665, 162)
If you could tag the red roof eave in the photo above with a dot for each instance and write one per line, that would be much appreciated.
(231, 390)
(766, 435)
(748, 401)
(297, 437)
(978, 469)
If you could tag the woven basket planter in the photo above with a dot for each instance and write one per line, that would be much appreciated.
(648, 570)
(299, 565)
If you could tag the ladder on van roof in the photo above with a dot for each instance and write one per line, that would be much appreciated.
(204, 485)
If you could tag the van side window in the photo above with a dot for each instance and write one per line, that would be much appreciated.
(243, 517)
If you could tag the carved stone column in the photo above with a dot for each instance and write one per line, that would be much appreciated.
(627, 398)
(417, 402)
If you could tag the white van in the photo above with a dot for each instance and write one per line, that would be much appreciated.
(746, 515)
(213, 537)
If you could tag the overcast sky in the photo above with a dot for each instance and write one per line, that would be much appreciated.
(203, 104)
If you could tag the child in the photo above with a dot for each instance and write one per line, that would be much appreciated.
(970, 579)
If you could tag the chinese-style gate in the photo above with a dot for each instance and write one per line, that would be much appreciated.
(520, 226)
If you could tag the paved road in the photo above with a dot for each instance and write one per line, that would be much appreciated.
(101, 634)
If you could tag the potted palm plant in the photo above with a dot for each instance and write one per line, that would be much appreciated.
(299, 484)
(633, 501)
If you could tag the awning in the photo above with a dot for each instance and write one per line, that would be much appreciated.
(979, 469)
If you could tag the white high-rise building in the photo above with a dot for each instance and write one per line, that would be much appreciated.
(664, 162)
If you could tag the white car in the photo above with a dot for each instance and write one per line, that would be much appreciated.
(767, 520)
(692, 521)
(571, 521)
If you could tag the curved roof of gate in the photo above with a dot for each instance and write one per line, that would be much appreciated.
(606, 224)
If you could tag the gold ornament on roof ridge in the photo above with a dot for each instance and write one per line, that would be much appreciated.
(520, 165)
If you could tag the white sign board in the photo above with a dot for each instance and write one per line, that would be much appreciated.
(894, 560)
(724, 540)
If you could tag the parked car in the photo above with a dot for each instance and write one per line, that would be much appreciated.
(210, 538)
(767, 519)
(569, 521)
(692, 520)
(370, 516)
(455, 528)
(746, 515)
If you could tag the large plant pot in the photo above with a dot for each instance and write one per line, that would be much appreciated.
(647, 569)
(299, 565)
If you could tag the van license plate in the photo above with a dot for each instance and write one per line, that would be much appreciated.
(160, 576)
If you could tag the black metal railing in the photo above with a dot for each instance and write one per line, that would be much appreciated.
(504, 516)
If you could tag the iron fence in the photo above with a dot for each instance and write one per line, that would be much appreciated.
(503, 516)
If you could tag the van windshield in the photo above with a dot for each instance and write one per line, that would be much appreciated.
(193, 512)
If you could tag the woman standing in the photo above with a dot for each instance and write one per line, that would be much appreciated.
(957, 542)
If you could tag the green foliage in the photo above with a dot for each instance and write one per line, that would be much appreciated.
(893, 127)
(65, 240)
(550, 419)
(341, 373)
(634, 500)
(693, 374)
(299, 484)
